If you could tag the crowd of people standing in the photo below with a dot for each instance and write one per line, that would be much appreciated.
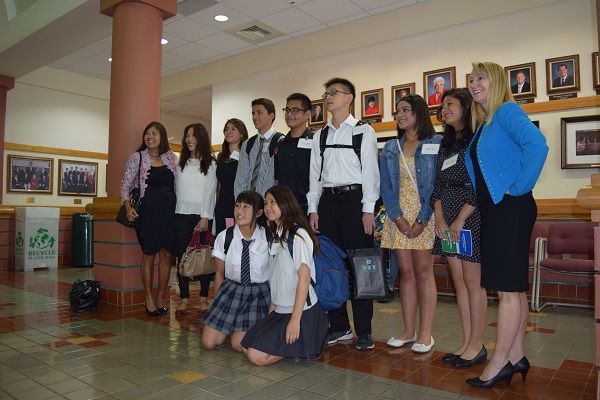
(263, 191)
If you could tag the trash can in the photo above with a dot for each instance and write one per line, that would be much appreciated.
(36, 238)
(82, 244)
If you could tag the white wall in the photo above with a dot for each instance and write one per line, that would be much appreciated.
(554, 30)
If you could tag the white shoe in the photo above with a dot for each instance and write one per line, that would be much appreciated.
(393, 342)
(422, 348)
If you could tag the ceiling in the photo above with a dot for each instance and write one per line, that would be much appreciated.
(196, 38)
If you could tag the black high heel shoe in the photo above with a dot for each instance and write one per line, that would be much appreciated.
(154, 313)
(461, 363)
(162, 310)
(505, 374)
(522, 366)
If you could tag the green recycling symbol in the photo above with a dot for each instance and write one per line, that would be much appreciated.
(42, 239)
(19, 241)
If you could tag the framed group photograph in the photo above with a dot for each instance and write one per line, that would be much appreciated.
(371, 103)
(435, 83)
(29, 174)
(562, 74)
(467, 77)
(77, 178)
(317, 113)
(580, 142)
(596, 70)
(398, 92)
(522, 81)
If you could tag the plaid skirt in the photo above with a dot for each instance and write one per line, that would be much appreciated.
(237, 307)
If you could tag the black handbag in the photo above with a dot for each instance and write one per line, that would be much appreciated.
(134, 201)
(84, 295)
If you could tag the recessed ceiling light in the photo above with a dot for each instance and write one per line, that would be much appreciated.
(109, 59)
(221, 18)
(164, 41)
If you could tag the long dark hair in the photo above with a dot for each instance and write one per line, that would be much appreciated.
(255, 200)
(420, 110)
(291, 215)
(225, 150)
(454, 140)
(203, 148)
(164, 139)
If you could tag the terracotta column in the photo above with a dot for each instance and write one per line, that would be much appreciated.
(6, 83)
(134, 102)
(589, 197)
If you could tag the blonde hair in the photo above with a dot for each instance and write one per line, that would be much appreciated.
(499, 92)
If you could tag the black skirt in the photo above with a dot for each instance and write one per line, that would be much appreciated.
(268, 335)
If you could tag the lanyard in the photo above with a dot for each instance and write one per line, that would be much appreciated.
(406, 165)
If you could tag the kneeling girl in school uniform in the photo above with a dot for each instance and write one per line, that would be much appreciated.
(296, 325)
(241, 278)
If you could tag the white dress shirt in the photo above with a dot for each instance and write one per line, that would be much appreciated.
(196, 192)
(259, 255)
(342, 166)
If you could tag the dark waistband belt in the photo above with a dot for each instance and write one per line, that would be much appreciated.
(342, 189)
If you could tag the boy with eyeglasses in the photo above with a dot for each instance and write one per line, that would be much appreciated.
(292, 158)
(344, 186)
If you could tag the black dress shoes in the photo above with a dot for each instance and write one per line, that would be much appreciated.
(461, 363)
(505, 374)
(450, 357)
(522, 367)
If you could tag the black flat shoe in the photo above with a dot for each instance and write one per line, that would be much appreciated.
(461, 363)
(162, 310)
(154, 313)
(522, 366)
(450, 357)
(505, 374)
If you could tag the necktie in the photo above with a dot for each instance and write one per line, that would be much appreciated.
(261, 142)
(562, 81)
(245, 271)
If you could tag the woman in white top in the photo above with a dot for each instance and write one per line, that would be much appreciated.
(196, 182)
(241, 280)
(296, 325)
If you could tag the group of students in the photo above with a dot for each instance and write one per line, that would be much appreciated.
(478, 176)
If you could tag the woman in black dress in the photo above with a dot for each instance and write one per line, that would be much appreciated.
(235, 133)
(454, 203)
(155, 218)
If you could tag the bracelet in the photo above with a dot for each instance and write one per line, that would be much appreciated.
(397, 218)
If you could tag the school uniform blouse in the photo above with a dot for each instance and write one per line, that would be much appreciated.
(282, 294)
(259, 255)
(196, 191)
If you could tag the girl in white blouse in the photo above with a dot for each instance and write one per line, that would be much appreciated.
(296, 325)
(196, 182)
(242, 276)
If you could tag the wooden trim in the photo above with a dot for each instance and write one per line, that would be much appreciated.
(553, 209)
(65, 212)
(531, 108)
(55, 150)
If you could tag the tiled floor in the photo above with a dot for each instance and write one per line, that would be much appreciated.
(47, 352)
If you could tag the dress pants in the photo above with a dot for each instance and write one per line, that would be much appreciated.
(340, 219)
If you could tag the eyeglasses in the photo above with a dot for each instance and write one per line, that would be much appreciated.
(333, 92)
(293, 111)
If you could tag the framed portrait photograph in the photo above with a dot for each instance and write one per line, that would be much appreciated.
(398, 92)
(318, 114)
(371, 104)
(435, 83)
(562, 74)
(467, 77)
(521, 79)
(77, 178)
(596, 69)
(29, 174)
(580, 142)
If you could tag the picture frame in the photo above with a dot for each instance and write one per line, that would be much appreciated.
(26, 174)
(399, 91)
(467, 77)
(77, 178)
(580, 142)
(446, 77)
(596, 70)
(556, 82)
(371, 104)
(522, 80)
(318, 113)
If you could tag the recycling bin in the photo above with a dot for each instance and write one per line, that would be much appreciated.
(36, 238)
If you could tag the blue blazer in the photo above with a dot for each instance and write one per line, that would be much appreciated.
(390, 177)
(511, 153)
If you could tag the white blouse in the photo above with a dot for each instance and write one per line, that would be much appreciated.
(196, 192)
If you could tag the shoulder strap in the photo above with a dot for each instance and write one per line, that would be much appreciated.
(228, 238)
(250, 144)
(140, 170)
(274, 143)
(356, 143)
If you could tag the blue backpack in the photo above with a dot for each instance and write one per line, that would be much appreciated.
(331, 275)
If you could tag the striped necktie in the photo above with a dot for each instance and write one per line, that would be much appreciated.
(245, 271)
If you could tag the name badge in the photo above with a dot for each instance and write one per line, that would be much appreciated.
(430, 148)
(235, 155)
(450, 161)
(275, 249)
(304, 143)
